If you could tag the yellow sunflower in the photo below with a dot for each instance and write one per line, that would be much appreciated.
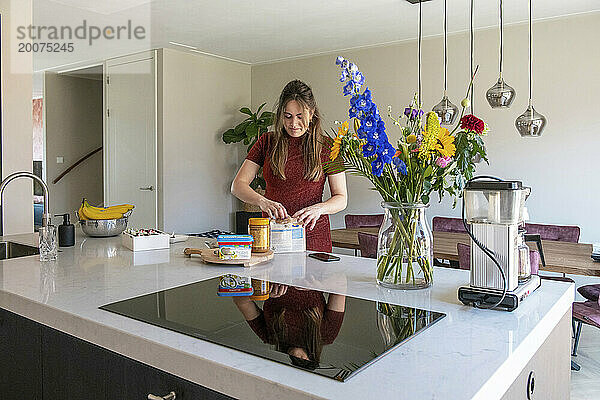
(337, 142)
(445, 143)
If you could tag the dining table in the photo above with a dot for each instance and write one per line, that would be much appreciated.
(561, 257)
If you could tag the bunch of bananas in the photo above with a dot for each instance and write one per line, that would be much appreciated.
(87, 211)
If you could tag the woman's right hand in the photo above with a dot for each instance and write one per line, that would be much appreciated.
(274, 209)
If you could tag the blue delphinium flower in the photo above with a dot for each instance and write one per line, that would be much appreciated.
(377, 166)
(371, 127)
(400, 165)
(370, 149)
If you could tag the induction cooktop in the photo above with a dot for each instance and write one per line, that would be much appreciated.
(295, 329)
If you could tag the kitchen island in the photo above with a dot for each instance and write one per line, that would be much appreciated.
(469, 354)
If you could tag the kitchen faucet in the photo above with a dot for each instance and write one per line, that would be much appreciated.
(24, 174)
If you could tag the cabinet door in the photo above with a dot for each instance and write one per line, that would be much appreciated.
(20, 357)
(142, 380)
(75, 369)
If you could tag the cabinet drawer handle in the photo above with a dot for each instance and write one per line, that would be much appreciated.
(149, 188)
(530, 385)
(170, 396)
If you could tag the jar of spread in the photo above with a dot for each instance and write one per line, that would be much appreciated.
(259, 228)
(261, 289)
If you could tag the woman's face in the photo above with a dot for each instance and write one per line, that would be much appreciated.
(296, 118)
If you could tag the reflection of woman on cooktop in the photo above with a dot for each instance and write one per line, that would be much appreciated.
(297, 321)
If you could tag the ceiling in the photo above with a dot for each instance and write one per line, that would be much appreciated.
(261, 31)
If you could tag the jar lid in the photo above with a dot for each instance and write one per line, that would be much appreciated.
(258, 221)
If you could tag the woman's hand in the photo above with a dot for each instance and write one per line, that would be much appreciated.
(273, 209)
(277, 290)
(308, 216)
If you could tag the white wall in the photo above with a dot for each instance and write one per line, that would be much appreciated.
(201, 97)
(73, 129)
(17, 128)
(560, 166)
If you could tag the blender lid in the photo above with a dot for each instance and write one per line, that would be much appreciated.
(494, 185)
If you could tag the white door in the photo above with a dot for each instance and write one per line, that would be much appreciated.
(130, 170)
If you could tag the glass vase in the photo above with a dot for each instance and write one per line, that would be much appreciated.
(404, 248)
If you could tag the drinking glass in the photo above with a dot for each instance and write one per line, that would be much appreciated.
(48, 243)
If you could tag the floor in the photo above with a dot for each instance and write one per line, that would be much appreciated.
(585, 384)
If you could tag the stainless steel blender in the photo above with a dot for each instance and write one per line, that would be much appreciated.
(494, 218)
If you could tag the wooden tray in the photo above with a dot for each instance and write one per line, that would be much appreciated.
(210, 256)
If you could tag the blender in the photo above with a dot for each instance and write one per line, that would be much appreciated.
(493, 215)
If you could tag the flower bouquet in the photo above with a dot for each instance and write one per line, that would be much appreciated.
(427, 158)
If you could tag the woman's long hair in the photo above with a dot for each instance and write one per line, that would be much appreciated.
(311, 320)
(312, 141)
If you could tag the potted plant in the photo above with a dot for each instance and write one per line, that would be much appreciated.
(248, 131)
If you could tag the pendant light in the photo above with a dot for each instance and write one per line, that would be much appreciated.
(472, 76)
(530, 123)
(445, 109)
(500, 95)
(419, 46)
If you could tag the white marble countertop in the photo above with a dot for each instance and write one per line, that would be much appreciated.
(469, 354)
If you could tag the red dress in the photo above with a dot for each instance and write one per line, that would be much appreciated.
(295, 192)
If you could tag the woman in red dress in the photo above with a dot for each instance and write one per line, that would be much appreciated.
(292, 158)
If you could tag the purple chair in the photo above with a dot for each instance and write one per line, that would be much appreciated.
(447, 224)
(464, 256)
(562, 233)
(363, 221)
(584, 312)
(367, 244)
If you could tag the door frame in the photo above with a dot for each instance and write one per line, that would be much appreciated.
(141, 56)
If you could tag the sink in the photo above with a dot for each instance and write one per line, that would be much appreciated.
(14, 250)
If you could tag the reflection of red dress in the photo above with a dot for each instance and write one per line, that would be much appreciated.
(295, 192)
(294, 302)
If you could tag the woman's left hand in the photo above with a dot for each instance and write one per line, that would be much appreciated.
(308, 216)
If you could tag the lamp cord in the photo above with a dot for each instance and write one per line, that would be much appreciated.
(472, 48)
(501, 39)
(419, 105)
(445, 48)
(530, 56)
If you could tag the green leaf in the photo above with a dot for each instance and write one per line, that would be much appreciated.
(251, 131)
(428, 171)
(246, 110)
(260, 108)
(229, 136)
(425, 199)
(241, 128)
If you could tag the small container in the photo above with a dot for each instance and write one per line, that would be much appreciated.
(48, 243)
(66, 232)
(235, 247)
(234, 285)
(261, 289)
(136, 241)
(259, 229)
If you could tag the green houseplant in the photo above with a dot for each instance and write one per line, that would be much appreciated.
(248, 131)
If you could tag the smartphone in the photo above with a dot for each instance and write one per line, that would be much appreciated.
(324, 257)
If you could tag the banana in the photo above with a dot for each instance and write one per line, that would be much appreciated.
(87, 211)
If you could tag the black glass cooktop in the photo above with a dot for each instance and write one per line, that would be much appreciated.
(327, 334)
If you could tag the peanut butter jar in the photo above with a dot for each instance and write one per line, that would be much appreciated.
(259, 228)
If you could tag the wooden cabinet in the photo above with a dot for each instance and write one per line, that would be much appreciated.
(77, 370)
(20, 358)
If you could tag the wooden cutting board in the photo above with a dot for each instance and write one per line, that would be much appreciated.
(211, 256)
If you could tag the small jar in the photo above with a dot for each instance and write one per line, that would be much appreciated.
(261, 289)
(259, 229)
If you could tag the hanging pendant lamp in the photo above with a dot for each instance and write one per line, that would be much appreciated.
(530, 123)
(501, 95)
(445, 109)
(419, 106)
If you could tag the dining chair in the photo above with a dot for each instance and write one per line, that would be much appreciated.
(447, 224)
(562, 233)
(363, 221)
(584, 312)
(368, 245)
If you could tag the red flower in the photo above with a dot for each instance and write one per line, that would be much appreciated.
(472, 123)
